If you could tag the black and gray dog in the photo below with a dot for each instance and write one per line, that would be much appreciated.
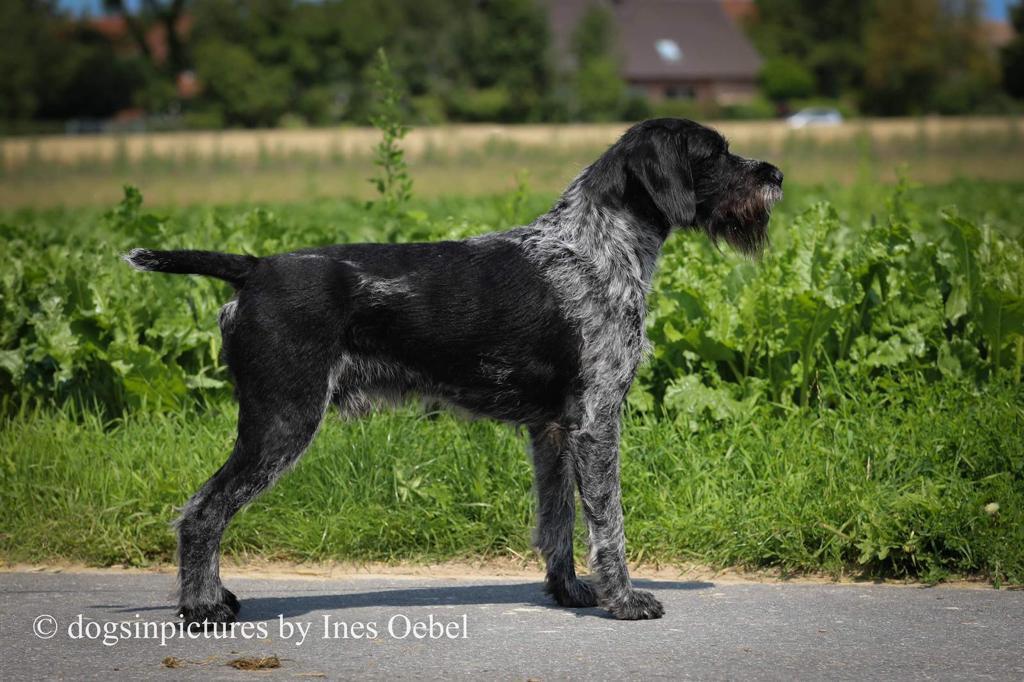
(540, 326)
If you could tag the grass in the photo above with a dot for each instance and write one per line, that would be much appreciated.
(927, 483)
(898, 470)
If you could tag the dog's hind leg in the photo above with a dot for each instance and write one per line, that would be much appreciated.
(595, 455)
(556, 516)
(274, 429)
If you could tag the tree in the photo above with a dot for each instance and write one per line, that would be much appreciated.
(55, 68)
(242, 90)
(826, 38)
(927, 55)
(600, 90)
(259, 59)
(594, 37)
(970, 74)
(30, 58)
(326, 49)
(166, 15)
(93, 80)
(784, 78)
(902, 55)
(599, 87)
(503, 47)
(1012, 56)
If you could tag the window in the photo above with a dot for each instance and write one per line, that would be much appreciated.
(680, 92)
(668, 50)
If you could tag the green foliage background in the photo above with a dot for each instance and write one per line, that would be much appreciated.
(291, 63)
(853, 402)
(928, 293)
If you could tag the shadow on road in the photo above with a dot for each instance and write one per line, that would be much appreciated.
(262, 608)
(266, 608)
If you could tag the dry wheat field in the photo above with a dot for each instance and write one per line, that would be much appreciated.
(189, 168)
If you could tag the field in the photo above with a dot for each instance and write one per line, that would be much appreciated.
(852, 403)
(178, 169)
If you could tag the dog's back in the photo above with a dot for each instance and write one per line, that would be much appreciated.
(470, 322)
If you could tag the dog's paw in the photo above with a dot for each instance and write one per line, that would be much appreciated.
(573, 593)
(213, 616)
(637, 605)
(228, 598)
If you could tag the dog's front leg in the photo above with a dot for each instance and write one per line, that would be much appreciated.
(596, 462)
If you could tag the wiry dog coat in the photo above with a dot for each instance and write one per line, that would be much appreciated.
(541, 326)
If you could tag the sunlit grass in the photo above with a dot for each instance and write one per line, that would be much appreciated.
(895, 489)
(905, 479)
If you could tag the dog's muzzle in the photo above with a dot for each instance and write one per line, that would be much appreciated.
(770, 195)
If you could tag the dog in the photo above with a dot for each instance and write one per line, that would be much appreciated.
(541, 326)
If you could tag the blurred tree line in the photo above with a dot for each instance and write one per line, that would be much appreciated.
(273, 62)
(887, 57)
(290, 62)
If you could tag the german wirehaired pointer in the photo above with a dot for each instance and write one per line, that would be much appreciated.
(540, 326)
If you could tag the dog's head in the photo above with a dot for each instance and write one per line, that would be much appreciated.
(674, 173)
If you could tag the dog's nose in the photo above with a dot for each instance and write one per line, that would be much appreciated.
(775, 175)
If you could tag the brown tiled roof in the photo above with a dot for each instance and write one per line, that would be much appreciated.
(113, 28)
(997, 33)
(711, 44)
(739, 10)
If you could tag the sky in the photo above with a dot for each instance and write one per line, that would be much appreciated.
(994, 9)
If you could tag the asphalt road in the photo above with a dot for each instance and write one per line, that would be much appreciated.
(485, 628)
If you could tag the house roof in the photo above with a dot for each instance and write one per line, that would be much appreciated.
(739, 10)
(665, 39)
(114, 28)
(997, 33)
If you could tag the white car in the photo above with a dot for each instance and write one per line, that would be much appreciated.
(815, 116)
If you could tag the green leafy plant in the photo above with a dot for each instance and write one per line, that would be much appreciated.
(393, 182)
(896, 296)
(910, 292)
(852, 402)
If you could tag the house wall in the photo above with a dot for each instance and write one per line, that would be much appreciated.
(734, 92)
(718, 91)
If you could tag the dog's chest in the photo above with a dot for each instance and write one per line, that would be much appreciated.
(613, 333)
(609, 311)
(601, 274)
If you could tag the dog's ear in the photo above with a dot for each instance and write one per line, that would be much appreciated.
(660, 164)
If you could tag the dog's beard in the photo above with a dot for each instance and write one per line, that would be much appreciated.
(742, 222)
(770, 195)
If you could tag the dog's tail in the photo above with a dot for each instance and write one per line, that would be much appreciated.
(226, 266)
